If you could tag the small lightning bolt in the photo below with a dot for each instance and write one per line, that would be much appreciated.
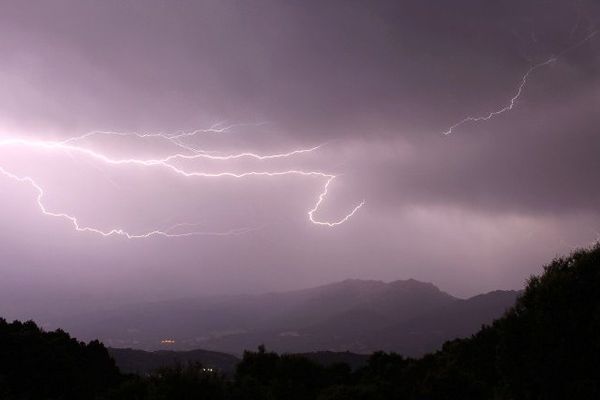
(513, 101)
(509, 106)
(70, 147)
(322, 195)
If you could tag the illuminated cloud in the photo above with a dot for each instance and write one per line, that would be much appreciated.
(346, 100)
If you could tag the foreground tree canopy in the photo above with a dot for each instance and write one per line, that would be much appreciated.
(545, 347)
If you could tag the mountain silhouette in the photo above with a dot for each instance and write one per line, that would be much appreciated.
(545, 346)
(360, 316)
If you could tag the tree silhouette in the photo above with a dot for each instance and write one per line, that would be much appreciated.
(545, 347)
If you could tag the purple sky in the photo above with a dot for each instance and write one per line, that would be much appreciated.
(376, 83)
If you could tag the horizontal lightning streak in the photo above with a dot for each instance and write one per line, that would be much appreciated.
(112, 232)
(165, 162)
(175, 139)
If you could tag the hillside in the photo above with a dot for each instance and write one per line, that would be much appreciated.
(360, 316)
(145, 362)
(142, 362)
(545, 347)
(35, 364)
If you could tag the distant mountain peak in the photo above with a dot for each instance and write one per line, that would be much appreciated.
(379, 284)
(353, 314)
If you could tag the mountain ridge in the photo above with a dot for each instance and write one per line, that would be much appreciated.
(349, 315)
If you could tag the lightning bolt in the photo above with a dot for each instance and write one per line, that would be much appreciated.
(176, 139)
(513, 101)
(509, 106)
(69, 146)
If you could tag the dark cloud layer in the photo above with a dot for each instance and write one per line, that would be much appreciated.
(378, 81)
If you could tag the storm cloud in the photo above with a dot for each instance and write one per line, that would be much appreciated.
(376, 83)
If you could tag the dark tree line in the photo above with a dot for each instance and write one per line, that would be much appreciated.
(546, 347)
(51, 365)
